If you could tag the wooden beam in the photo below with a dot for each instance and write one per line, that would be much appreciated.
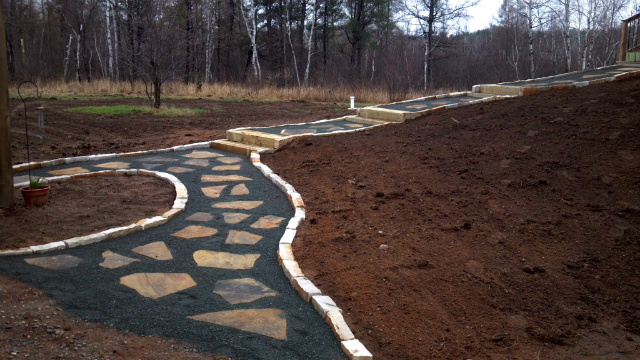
(623, 40)
(6, 172)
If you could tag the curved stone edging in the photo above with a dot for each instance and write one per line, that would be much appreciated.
(182, 196)
(70, 160)
(327, 308)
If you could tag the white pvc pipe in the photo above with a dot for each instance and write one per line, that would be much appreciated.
(353, 103)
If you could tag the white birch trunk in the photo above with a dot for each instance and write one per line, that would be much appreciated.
(295, 60)
(309, 45)
(109, 46)
(66, 59)
(252, 31)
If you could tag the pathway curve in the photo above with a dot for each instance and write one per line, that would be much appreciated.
(210, 276)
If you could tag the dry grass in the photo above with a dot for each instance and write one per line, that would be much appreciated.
(363, 94)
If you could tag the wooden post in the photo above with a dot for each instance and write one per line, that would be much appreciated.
(623, 40)
(6, 171)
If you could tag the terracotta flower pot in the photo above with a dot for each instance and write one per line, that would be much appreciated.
(35, 197)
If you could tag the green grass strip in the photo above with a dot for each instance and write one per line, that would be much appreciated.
(135, 110)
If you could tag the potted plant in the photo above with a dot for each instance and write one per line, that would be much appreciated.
(36, 193)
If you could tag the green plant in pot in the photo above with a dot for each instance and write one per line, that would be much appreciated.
(35, 193)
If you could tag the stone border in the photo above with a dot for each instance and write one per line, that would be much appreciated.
(71, 160)
(408, 115)
(278, 141)
(526, 90)
(327, 308)
(182, 196)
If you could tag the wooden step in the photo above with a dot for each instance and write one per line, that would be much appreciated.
(256, 138)
(237, 148)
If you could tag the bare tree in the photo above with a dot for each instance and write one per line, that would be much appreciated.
(433, 16)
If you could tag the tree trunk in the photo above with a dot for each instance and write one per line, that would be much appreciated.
(532, 60)
(109, 46)
(309, 43)
(567, 34)
(6, 171)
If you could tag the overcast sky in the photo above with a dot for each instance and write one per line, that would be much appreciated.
(482, 14)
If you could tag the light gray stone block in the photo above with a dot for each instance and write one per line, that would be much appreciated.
(355, 350)
(39, 249)
(340, 328)
(85, 240)
(323, 304)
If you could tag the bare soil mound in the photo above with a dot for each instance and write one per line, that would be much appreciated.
(75, 134)
(513, 227)
(84, 206)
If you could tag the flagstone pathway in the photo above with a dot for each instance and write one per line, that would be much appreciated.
(210, 276)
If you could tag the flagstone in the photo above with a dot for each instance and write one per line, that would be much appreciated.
(178, 169)
(156, 250)
(200, 216)
(150, 166)
(238, 291)
(238, 205)
(157, 285)
(267, 222)
(220, 178)
(224, 260)
(57, 262)
(242, 238)
(113, 260)
(69, 171)
(198, 154)
(195, 231)
(335, 128)
(234, 218)
(354, 125)
(239, 190)
(114, 165)
(229, 159)
(227, 168)
(213, 191)
(267, 322)
(197, 162)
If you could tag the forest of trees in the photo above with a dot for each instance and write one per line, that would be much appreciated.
(395, 45)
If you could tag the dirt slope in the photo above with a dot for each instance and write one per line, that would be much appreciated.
(513, 228)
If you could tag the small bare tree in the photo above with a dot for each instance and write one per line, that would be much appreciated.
(156, 52)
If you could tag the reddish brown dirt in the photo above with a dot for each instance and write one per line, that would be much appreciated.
(75, 208)
(513, 228)
(74, 134)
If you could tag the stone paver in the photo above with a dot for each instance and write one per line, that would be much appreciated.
(157, 285)
(200, 216)
(114, 261)
(268, 222)
(238, 205)
(195, 231)
(56, 262)
(224, 260)
(240, 190)
(234, 218)
(114, 165)
(213, 191)
(156, 250)
(242, 238)
(69, 171)
(268, 322)
(240, 291)
(221, 178)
